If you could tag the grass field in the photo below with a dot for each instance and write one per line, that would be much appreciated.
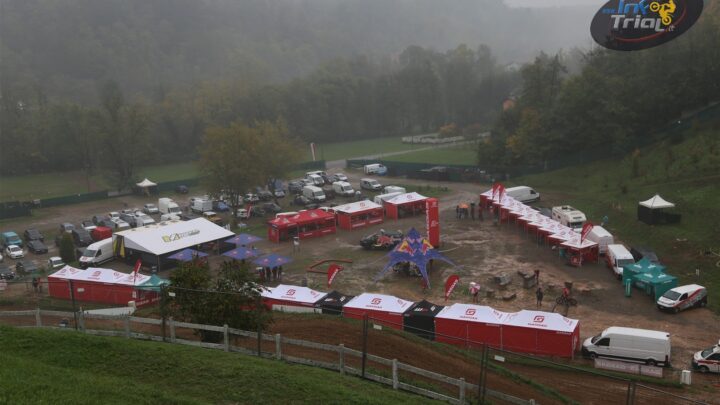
(687, 174)
(355, 149)
(65, 367)
(461, 155)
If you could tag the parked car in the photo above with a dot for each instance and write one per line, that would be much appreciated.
(708, 360)
(120, 225)
(81, 237)
(68, 227)
(220, 206)
(142, 219)
(640, 252)
(11, 238)
(114, 214)
(88, 225)
(14, 252)
(55, 263)
(26, 266)
(296, 186)
(301, 200)
(188, 216)
(257, 212)
(33, 234)
(150, 209)
(251, 198)
(98, 220)
(370, 184)
(130, 219)
(683, 297)
(6, 273)
(242, 213)
(383, 240)
(265, 195)
(37, 247)
(181, 189)
(630, 344)
(279, 193)
(271, 208)
(339, 177)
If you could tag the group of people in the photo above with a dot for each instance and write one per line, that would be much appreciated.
(465, 210)
(270, 274)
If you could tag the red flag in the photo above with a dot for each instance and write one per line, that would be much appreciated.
(494, 189)
(450, 285)
(501, 191)
(136, 269)
(585, 230)
(333, 270)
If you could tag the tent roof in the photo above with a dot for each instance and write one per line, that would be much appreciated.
(171, 236)
(293, 293)
(644, 265)
(303, 217)
(99, 275)
(187, 255)
(146, 183)
(576, 244)
(424, 308)
(656, 202)
(541, 320)
(379, 302)
(656, 276)
(358, 206)
(406, 198)
(472, 313)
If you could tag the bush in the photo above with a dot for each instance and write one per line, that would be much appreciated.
(67, 248)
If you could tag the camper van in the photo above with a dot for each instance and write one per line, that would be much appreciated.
(168, 206)
(569, 217)
(602, 237)
(97, 254)
(616, 257)
(629, 344)
(683, 297)
(375, 168)
(523, 194)
(343, 188)
(394, 189)
(315, 179)
(314, 194)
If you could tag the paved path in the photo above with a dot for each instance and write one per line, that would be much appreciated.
(341, 163)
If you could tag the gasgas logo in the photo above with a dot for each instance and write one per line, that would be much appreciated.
(628, 25)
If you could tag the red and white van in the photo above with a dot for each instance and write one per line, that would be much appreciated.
(707, 360)
(683, 297)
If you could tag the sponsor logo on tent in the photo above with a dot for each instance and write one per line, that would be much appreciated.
(470, 312)
(290, 292)
(177, 236)
(539, 319)
(376, 301)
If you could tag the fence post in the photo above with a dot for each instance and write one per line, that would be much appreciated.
(395, 377)
(364, 345)
(483, 371)
(461, 396)
(127, 327)
(278, 346)
(226, 338)
(171, 322)
(38, 320)
(341, 350)
(630, 393)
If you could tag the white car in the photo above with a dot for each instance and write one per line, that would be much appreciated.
(150, 209)
(14, 252)
(55, 263)
(707, 360)
(114, 215)
(340, 177)
(242, 213)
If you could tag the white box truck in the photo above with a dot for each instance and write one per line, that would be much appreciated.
(683, 297)
(314, 194)
(97, 254)
(616, 257)
(168, 206)
(569, 217)
(629, 344)
(343, 188)
(602, 237)
(523, 194)
(201, 205)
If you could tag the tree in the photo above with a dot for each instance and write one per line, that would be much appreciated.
(236, 158)
(232, 298)
(67, 248)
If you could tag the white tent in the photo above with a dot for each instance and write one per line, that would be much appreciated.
(472, 313)
(100, 275)
(293, 294)
(540, 320)
(406, 197)
(657, 202)
(146, 183)
(172, 236)
(379, 302)
(355, 207)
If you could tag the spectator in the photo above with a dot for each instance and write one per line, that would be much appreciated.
(296, 244)
(472, 210)
(274, 273)
(539, 295)
(280, 272)
(457, 211)
(474, 291)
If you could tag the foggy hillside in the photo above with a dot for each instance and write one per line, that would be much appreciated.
(64, 48)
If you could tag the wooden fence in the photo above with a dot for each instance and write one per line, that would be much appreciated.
(341, 353)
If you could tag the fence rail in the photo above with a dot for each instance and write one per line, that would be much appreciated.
(339, 351)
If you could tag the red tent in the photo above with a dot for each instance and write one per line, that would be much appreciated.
(306, 224)
(469, 325)
(404, 205)
(101, 285)
(382, 309)
(544, 333)
(289, 298)
(358, 214)
(588, 250)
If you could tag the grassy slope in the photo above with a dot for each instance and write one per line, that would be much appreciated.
(462, 155)
(687, 174)
(45, 366)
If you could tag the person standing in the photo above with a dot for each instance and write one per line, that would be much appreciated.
(539, 295)
(472, 210)
(457, 211)
(296, 244)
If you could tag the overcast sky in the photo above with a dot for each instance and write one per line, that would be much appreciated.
(553, 3)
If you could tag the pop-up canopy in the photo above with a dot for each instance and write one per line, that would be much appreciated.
(469, 325)
(383, 309)
(656, 202)
(146, 183)
(358, 214)
(290, 295)
(652, 211)
(545, 333)
(406, 204)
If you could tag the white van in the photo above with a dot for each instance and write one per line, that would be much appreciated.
(523, 194)
(381, 198)
(394, 189)
(370, 184)
(683, 297)
(569, 217)
(315, 179)
(602, 237)
(616, 257)
(629, 344)
(97, 254)
(343, 188)
(168, 206)
(314, 194)
(375, 168)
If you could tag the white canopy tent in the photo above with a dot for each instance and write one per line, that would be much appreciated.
(146, 183)
(653, 212)
(358, 206)
(657, 202)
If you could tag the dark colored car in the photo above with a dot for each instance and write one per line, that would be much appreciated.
(82, 237)
(6, 273)
(67, 226)
(129, 218)
(33, 234)
(37, 247)
(271, 208)
(182, 189)
(265, 195)
(301, 200)
(640, 252)
(383, 240)
(98, 219)
(257, 212)
(26, 266)
(220, 206)
(296, 186)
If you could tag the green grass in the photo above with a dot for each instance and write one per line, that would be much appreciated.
(686, 173)
(178, 171)
(355, 149)
(466, 155)
(66, 367)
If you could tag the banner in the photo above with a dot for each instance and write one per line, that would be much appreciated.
(137, 269)
(585, 230)
(333, 270)
(450, 285)
(432, 221)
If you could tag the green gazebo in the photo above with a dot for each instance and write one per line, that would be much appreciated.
(649, 277)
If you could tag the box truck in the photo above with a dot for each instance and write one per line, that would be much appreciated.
(168, 206)
(97, 254)
(602, 237)
(201, 205)
(629, 344)
(569, 217)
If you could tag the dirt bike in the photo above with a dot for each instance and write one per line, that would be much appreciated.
(567, 301)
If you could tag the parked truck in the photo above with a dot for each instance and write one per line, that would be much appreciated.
(168, 206)
(201, 205)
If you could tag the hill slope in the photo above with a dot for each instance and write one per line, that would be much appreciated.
(47, 366)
